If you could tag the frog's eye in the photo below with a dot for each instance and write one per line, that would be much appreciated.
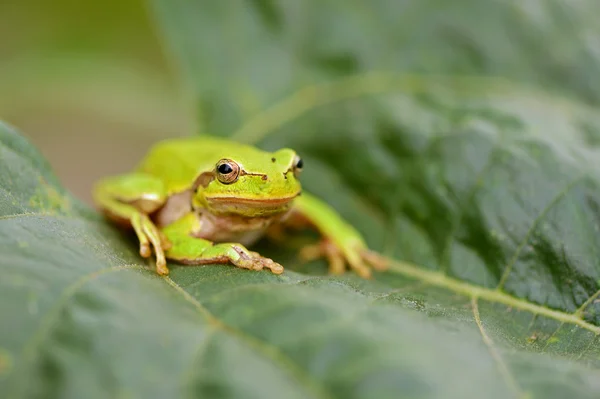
(298, 165)
(227, 171)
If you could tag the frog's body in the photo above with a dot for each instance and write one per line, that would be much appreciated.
(203, 200)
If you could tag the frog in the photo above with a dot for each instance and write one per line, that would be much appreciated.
(204, 200)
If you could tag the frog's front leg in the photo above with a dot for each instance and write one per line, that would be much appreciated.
(341, 243)
(129, 199)
(191, 250)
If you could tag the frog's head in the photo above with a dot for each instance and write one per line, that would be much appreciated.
(250, 183)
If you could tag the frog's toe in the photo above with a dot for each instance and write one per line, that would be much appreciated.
(336, 262)
(262, 262)
(377, 261)
(254, 261)
(275, 267)
(145, 250)
(357, 263)
(151, 237)
(358, 258)
(161, 268)
(325, 248)
(363, 260)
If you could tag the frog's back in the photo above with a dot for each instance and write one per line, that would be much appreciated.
(178, 162)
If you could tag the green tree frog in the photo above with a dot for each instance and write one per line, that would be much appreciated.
(204, 200)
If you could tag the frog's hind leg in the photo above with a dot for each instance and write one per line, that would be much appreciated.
(341, 243)
(190, 250)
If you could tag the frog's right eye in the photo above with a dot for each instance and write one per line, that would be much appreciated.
(227, 171)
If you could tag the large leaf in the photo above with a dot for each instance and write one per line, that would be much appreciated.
(459, 136)
(81, 317)
(486, 191)
(240, 58)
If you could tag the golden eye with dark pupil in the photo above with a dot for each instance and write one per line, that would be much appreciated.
(227, 171)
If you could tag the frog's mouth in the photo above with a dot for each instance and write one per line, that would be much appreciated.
(251, 205)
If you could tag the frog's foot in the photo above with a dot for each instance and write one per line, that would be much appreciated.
(357, 256)
(150, 236)
(261, 262)
(242, 257)
(233, 253)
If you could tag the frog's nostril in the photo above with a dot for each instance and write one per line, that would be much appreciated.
(264, 177)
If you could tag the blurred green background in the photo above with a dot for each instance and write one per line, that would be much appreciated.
(74, 86)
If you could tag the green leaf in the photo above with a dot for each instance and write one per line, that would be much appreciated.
(460, 137)
(83, 318)
(484, 189)
(239, 59)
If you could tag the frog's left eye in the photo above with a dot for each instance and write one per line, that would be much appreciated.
(298, 165)
(227, 171)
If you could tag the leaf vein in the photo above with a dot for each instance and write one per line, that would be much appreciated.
(49, 215)
(588, 302)
(199, 352)
(29, 348)
(18, 215)
(401, 290)
(550, 340)
(557, 198)
(267, 349)
(445, 254)
(587, 348)
(437, 279)
(502, 366)
(371, 83)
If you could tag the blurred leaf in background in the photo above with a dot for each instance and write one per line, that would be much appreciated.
(88, 82)
(461, 138)
(241, 58)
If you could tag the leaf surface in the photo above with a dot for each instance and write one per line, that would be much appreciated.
(485, 189)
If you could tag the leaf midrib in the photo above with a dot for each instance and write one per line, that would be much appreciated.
(497, 295)
(438, 279)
